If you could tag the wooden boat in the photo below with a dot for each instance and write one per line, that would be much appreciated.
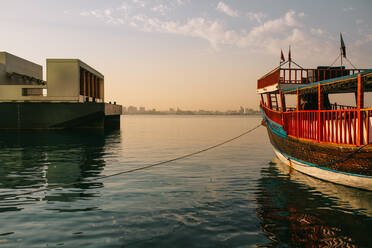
(316, 137)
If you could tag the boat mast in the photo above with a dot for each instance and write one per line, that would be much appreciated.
(342, 49)
(289, 57)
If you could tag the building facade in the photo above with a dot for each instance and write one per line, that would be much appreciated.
(72, 96)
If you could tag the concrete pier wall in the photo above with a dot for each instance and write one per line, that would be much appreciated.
(47, 115)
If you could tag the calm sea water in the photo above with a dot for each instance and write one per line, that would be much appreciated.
(233, 196)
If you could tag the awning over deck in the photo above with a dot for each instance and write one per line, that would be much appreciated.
(345, 84)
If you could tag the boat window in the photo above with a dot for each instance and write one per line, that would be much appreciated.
(342, 100)
(367, 99)
(264, 99)
(291, 102)
(309, 102)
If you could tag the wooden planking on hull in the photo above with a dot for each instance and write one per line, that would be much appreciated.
(321, 154)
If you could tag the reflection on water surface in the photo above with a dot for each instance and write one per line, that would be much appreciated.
(303, 211)
(228, 197)
(32, 160)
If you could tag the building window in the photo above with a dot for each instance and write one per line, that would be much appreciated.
(82, 82)
(32, 91)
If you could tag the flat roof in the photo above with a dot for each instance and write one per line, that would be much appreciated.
(336, 85)
(81, 63)
(10, 54)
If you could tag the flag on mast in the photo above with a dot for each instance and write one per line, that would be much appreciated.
(342, 47)
(282, 59)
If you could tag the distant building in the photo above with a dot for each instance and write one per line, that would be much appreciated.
(142, 109)
(132, 109)
(241, 111)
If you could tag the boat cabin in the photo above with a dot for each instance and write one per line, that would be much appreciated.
(314, 117)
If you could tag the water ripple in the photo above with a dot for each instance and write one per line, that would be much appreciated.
(228, 197)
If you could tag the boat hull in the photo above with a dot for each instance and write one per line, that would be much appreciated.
(315, 159)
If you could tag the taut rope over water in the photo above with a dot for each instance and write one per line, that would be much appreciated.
(131, 170)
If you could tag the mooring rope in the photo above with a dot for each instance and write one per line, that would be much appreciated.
(131, 170)
(346, 157)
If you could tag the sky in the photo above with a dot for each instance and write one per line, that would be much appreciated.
(190, 54)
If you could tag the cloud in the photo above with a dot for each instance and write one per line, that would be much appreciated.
(108, 12)
(366, 39)
(124, 7)
(348, 9)
(275, 26)
(105, 15)
(267, 37)
(301, 14)
(140, 3)
(258, 17)
(96, 13)
(359, 21)
(317, 31)
(213, 31)
(180, 2)
(224, 8)
(84, 13)
(161, 9)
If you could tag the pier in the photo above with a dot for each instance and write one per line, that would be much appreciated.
(71, 97)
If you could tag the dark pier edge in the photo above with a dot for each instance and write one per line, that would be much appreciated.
(61, 115)
(112, 122)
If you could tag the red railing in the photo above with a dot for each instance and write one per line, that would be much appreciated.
(305, 76)
(367, 123)
(290, 123)
(302, 76)
(273, 115)
(330, 126)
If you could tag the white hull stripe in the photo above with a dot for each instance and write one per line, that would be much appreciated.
(339, 177)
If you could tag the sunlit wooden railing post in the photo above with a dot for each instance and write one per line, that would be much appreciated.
(367, 125)
(282, 103)
(298, 114)
(320, 102)
(268, 98)
(360, 105)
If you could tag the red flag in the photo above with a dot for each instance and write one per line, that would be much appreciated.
(282, 56)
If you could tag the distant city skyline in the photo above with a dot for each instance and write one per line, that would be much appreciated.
(186, 53)
(142, 110)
